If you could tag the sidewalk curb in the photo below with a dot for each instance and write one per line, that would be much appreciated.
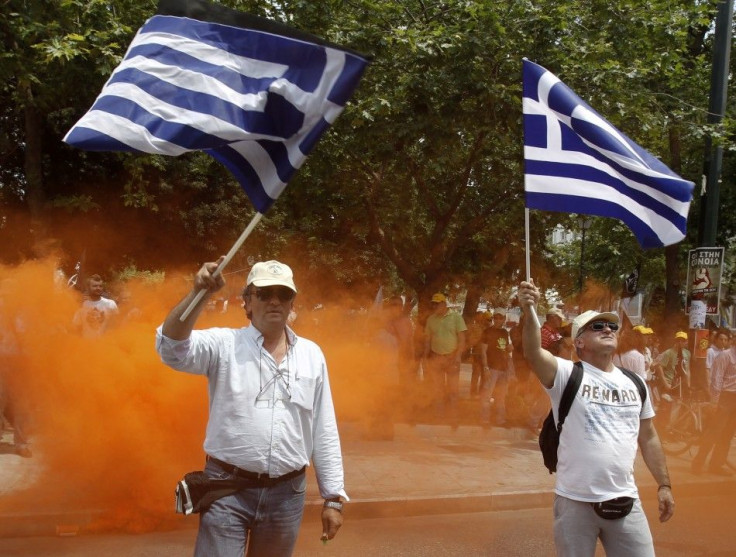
(506, 501)
(445, 504)
(70, 523)
(66, 523)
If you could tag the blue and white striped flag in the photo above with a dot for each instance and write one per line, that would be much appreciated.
(577, 162)
(255, 99)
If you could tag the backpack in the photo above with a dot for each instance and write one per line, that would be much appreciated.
(549, 436)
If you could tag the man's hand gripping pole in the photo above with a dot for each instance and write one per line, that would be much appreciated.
(233, 250)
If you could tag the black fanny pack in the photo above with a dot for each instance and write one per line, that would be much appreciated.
(196, 491)
(614, 508)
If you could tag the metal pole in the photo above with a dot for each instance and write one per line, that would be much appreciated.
(708, 225)
(585, 223)
(527, 246)
(582, 257)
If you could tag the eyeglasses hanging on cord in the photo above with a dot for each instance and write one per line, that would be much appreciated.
(279, 376)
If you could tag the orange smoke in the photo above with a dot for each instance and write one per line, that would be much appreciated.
(113, 427)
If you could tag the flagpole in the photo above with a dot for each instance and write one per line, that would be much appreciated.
(233, 250)
(528, 264)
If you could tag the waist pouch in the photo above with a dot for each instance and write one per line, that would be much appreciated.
(614, 508)
(195, 492)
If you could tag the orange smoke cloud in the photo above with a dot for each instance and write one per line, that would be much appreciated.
(113, 427)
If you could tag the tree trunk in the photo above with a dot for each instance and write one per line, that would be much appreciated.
(35, 196)
(672, 307)
(472, 298)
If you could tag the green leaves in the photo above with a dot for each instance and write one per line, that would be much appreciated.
(420, 180)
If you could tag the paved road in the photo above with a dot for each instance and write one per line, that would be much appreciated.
(702, 526)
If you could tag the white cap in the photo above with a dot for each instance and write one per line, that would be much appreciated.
(556, 311)
(271, 273)
(587, 316)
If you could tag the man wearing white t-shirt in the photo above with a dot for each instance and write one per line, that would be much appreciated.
(97, 312)
(598, 444)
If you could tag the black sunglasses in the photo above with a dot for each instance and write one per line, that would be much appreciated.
(600, 325)
(283, 293)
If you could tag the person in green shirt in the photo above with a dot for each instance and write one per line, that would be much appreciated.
(444, 343)
(672, 368)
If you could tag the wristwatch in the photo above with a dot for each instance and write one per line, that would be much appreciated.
(337, 505)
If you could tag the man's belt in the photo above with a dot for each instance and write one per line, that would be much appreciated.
(260, 479)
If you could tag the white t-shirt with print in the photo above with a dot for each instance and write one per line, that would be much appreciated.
(599, 439)
(94, 316)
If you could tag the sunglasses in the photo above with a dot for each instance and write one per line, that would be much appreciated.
(598, 326)
(283, 293)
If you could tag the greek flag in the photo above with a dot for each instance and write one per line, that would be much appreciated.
(577, 162)
(257, 99)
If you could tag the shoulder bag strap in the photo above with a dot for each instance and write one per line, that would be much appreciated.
(638, 381)
(568, 395)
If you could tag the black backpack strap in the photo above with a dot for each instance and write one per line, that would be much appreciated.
(568, 395)
(638, 381)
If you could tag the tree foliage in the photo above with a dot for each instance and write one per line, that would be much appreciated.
(419, 185)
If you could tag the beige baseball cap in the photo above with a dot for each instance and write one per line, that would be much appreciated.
(587, 316)
(271, 273)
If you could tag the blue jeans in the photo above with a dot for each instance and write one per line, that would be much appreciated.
(267, 519)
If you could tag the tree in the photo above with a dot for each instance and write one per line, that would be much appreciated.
(419, 184)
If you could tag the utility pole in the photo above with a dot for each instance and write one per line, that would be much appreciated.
(709, 203)
(708, 224)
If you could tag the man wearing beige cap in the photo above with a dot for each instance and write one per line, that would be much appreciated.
(595, 493)
(271, 413)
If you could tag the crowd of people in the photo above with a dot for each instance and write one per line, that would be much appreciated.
(425, 362)
(518, 371)
(501, 390)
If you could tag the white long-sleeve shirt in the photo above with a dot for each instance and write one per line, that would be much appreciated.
(710, 355)
(723, 376)
(264, 417)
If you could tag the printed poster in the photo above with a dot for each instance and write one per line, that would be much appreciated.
(704, 270)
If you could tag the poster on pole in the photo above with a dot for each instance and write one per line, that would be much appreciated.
(704, 269)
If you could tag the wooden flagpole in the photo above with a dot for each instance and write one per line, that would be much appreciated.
(233, 250)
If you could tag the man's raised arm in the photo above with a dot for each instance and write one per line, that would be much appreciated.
(542, 362)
